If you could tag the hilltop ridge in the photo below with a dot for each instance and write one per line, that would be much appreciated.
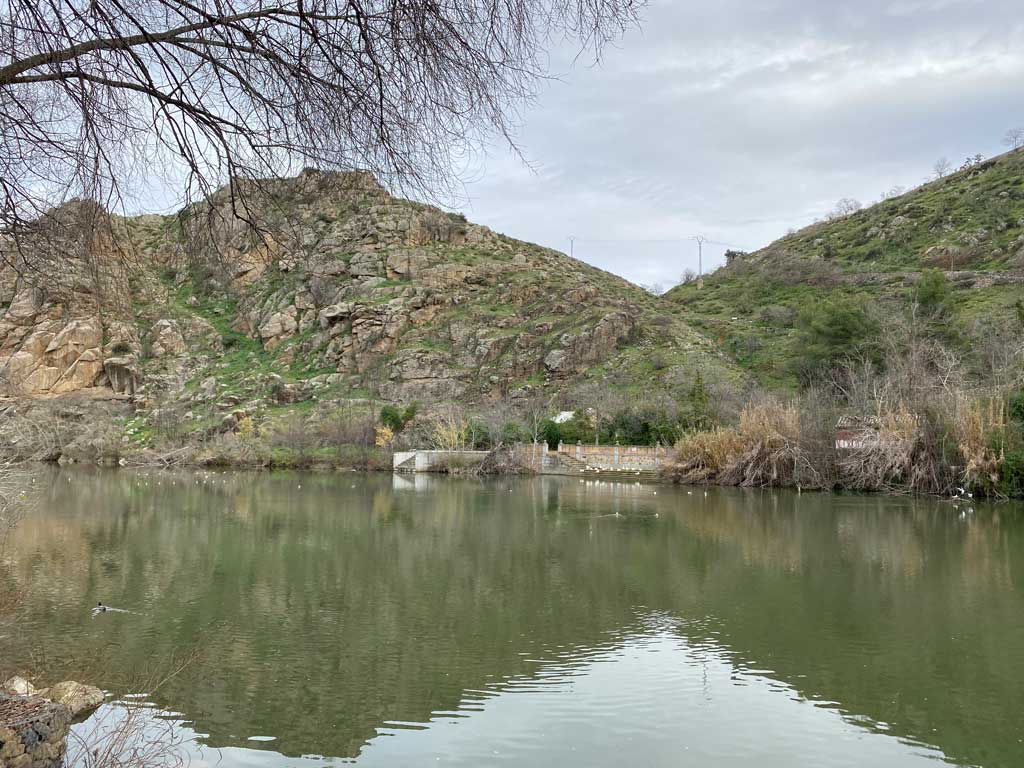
(968, 226)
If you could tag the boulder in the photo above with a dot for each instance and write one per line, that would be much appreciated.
(167, 339)
(278, 327)
(334, 314)
(208, 388)
(285, 393)
(406, 264)
(555, 360)
(17, 685)
(122, 374)
(77, 697)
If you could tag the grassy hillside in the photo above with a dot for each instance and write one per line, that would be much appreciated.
(969, 226)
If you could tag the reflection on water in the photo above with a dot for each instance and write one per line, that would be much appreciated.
(397, 621)
(671, 694)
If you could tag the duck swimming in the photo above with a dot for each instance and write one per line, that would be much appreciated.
(101, 608)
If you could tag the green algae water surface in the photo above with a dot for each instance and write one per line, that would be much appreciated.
(402, 621)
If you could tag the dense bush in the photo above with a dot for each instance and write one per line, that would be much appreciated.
(1016, 408)
(396, 418)
(933, 294)
(834, 332)
(1012, 480)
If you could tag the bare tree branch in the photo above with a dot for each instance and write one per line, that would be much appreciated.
(98, 96)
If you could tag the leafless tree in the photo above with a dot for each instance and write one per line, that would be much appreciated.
(687, 277)
(845, 207)
(655, 289)
(96, 94)
(971, 161)
(942, 168)
(1014, 138)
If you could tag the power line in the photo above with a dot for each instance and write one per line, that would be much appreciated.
(646, 240)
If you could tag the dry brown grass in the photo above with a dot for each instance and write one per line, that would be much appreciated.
(881, 462)
(701, 456)
(764, 450)
(980, 426)
(773, 454)
(940, 445)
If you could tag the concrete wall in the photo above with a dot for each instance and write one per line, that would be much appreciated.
(537, 457)
(433, 461)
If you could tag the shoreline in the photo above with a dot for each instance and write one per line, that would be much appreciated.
(325, 468)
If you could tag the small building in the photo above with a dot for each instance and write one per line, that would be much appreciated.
(853, 432)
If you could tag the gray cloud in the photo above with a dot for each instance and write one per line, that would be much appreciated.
(740, 120)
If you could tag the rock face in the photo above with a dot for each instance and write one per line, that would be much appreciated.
(167, 340)
(122, 374)
(41, 352)
(328, 274)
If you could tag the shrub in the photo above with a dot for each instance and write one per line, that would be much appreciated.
(933, 295)
(578, 429)
(764, 451)
(697, 409)
(834, 332)
(551, 433)
(1016, 407)
(881, 462)
(1012, 475)
(396, 418)
(778, 316)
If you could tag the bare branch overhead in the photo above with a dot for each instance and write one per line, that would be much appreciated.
(96, 94)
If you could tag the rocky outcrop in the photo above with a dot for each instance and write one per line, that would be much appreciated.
(590, 345)
(122, 374)
(43, 353)
(166, 339)
(279, 327)
(77, 697)
(324, 275)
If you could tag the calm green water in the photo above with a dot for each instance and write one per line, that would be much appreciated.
(546, 622)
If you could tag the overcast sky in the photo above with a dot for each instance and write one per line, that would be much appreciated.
(739, 119)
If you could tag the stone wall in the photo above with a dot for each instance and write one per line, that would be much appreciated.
(617, 456)
(33, 731)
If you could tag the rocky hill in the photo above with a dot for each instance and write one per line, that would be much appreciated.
(969, 226)
(321, 286)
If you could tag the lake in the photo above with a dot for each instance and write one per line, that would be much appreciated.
(319, 619)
